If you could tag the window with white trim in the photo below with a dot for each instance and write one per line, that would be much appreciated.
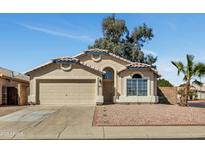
(136, 86)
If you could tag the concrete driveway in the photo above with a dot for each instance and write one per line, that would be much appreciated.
(75, 122)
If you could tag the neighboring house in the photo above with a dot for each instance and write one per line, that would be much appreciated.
(95, 76)
(200, 90)
(13, 87)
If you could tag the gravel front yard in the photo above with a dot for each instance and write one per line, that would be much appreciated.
(148, 115)
(4, 110)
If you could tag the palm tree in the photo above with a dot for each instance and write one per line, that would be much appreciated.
(192, 71)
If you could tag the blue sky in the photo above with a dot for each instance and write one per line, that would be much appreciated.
(28, 40)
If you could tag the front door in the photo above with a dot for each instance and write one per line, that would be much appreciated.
(108, 91)
(108, 86)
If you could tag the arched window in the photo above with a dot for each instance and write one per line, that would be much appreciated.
(136, 76)
(109, 73)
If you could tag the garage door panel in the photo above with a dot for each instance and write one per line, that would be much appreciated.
(55, 92)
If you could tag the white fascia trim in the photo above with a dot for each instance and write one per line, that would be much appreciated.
(79, 54)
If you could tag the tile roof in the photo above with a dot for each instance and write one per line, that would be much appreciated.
(135, 65)
(22, 77)
(103, 51)
(60, 59)
(6, 73)
(118, 57)
(95, 50)
(74, 59)
(130, 63)
(38, 67)
(139, 66)
(66, 59)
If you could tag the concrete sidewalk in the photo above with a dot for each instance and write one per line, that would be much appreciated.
(75, 122)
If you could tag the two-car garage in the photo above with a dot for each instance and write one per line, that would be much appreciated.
(66, 92)
(66, 82)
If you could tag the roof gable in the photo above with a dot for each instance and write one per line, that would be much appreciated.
(129, 64)
(65, 60)
(101, 52)
(139, 66)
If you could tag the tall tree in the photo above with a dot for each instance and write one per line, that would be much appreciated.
(164, 83)
(191, 71)
(119, 40)
(149, 59)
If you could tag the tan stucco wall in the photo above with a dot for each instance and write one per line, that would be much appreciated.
(53, 71)
(23, 93)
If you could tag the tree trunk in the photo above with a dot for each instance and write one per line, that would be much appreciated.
(187, 89)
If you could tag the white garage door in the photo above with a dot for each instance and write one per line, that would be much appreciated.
(54, 92)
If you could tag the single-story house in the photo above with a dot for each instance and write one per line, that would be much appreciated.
(13, 87)
(197, 91)
(200, 91)
(94, 76)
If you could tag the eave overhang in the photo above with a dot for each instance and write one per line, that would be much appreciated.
(139, 67)
(13, 78)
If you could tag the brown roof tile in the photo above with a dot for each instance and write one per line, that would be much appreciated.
(95, 50)
(104, 51)
(75, 60)
(66, 59)
(139, 66)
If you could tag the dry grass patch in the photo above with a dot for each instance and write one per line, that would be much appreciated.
(148, 115)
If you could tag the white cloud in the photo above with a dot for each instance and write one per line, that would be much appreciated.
(58, 33)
